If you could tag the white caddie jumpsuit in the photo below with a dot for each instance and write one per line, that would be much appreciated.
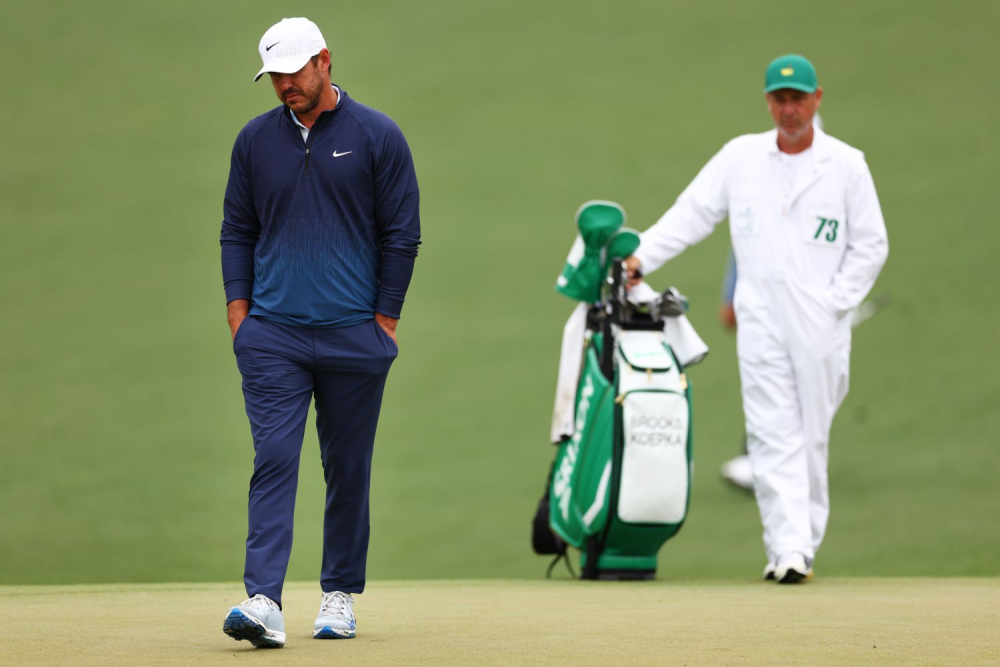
(809, 244)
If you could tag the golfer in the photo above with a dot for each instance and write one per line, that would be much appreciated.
(809, 240)
(319, 234)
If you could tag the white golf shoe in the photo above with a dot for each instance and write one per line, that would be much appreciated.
(738, 472)
(336, 617)
(769, 570)
(258, 620)
(793, 568)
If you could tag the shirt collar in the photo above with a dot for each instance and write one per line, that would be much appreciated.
(340, 100)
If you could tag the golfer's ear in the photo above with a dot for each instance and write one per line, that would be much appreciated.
(324, 60)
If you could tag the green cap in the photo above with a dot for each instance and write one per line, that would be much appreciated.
(791, 71)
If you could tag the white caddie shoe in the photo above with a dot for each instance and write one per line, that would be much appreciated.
(336, 617)
(258, 620)
(738, 472)
(769, 570)
(793, 568)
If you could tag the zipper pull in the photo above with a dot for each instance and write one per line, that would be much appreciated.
(620, 399)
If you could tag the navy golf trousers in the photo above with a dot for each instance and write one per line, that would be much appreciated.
(283, 368)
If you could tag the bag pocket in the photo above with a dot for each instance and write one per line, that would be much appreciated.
(655, 475)
(655, 466)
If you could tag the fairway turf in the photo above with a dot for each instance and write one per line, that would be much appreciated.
(828, 621)
(125, 453)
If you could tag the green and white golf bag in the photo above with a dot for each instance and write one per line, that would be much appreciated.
(620, 484)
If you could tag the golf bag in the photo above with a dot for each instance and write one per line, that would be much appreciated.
(620, 484)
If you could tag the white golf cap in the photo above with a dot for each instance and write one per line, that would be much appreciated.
(288, 45)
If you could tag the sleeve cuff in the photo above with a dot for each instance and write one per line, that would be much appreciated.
(388, 306)
(239, 289)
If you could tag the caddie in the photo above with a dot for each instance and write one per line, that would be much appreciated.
(319, 236)
(809, 240)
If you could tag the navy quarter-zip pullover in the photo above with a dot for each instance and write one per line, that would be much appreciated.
(321, 232)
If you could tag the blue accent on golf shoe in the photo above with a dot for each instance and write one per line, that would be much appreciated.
(326, 632)
(241, 624)
(336, 617)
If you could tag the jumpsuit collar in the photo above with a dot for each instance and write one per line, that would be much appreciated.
(820, 144)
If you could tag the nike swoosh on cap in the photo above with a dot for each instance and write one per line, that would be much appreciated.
(268, 48)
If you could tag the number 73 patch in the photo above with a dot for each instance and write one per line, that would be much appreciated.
(824, 231)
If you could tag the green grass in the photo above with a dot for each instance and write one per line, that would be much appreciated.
(829, 622)
(124, 450)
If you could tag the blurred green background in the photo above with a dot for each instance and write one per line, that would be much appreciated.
(124, 449)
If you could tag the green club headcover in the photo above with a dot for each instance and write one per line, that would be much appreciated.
(623, 244)
(581, 278)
